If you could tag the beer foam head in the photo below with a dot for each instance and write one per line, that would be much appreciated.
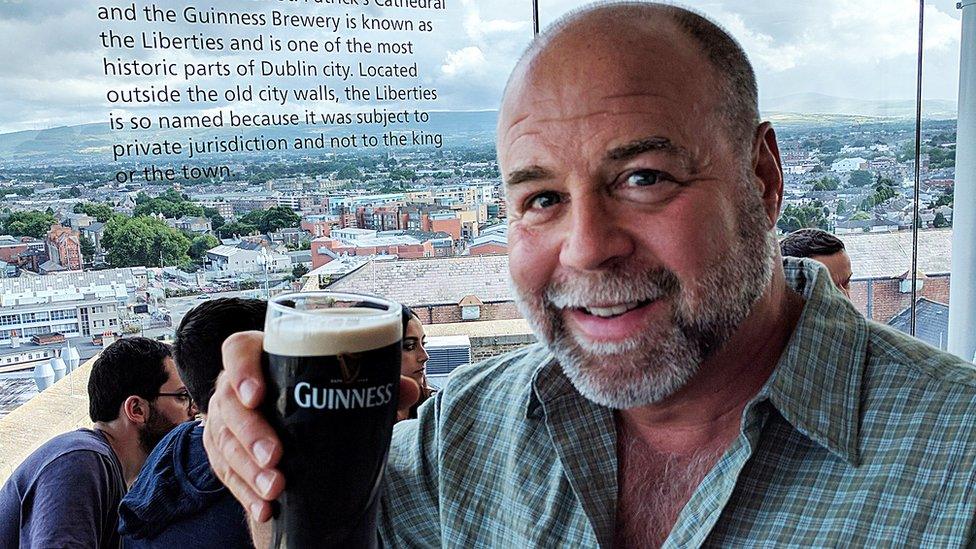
(324, 332)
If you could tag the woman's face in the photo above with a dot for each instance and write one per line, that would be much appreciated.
(414, 360)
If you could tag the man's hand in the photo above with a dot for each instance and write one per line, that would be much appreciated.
(243, 448)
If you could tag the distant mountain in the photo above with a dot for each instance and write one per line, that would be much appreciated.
(92, 143)
(820, 104)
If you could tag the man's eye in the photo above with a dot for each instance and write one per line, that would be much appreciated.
(644, 178)
(544, 200)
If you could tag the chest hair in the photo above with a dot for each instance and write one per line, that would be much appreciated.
(653, 489)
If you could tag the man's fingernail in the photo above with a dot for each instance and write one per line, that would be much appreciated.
(256, 509)
(262, 451)
(264, 480)
(248, 391)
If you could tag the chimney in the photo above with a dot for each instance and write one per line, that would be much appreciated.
(43, 376)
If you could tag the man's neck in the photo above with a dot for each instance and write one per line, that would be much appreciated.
(124, 440)
(706, 412)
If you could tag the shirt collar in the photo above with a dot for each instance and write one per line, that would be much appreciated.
(816, 385)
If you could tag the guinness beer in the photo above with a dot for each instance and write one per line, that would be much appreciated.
(333, 376)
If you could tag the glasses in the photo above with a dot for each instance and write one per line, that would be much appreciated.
(183, 396)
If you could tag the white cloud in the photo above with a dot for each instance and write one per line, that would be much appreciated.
(469, 60)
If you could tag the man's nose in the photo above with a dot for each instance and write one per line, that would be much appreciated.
(595, 239)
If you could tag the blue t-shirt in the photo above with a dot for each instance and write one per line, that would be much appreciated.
(66, 495)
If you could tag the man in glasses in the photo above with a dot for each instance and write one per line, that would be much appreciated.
(177, 501)
(67, 493)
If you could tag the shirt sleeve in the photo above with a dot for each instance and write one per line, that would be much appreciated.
(409, 508)
(69, 503)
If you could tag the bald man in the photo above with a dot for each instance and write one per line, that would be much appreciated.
(690, 386)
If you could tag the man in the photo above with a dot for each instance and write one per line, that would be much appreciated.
(177, 501)
(821, 246)
(691, 387)
(67, 493)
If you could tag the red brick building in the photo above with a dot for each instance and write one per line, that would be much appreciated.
(881, 263)
(64, 247)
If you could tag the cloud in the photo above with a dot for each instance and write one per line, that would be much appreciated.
(52, 69)
(464, 61)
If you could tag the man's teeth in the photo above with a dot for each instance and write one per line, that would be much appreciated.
(611, 311)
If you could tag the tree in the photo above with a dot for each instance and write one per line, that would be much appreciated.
(30, 223)
(860, 178)
(831, 145)
(860, 216)
(143, 241)
(101, 212)
(200, 245)
(795, 218)
(236, 228)
(940, 221)
(87, 249)
(279, 217)
(348, 171)
(299, 271)
(216, 220)
(74, 192)
(170, 204)
(841, 207)
(826, 184)
(272, 219)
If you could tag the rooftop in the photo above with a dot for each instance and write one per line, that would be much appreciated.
(931, 322)
(888, 255)
(432, 281)
(71, 280)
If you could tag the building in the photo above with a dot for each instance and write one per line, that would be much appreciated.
(319, 225)
(191, 224)
(242, 260)
(881, 285)
(492, 241)
(931, 322)
(399, 245)
(64, 247)
(224, 209)
(74, 304)
(440, 290)
(13, 250)
(847, 165)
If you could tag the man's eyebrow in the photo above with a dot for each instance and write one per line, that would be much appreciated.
(531, 173)
(649, 144)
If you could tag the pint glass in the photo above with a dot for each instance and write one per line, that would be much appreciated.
(333, 374)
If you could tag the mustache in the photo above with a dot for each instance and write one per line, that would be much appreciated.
(614, 286)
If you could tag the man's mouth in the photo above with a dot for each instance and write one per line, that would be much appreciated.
(610, 311)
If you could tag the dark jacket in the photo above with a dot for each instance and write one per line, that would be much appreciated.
(177, 500)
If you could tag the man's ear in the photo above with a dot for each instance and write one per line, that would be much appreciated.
(136, 410)
(767, 167)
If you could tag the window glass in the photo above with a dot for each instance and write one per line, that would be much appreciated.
(838, 81)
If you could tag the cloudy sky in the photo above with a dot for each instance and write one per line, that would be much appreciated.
(51, 70)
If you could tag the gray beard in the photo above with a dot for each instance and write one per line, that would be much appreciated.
(657, 363)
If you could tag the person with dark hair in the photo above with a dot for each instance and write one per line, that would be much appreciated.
(690, 386)
(177, 501)
(821, 246)
(413, 360)
(67, 493)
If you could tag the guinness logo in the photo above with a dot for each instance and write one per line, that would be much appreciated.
(349, 366)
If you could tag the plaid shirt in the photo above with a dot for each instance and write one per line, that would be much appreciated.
(862, 436)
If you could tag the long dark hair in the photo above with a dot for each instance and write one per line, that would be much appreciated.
(426, 392)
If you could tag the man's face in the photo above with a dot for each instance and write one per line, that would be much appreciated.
(638, 239)
(839, 265)
(165, 411)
